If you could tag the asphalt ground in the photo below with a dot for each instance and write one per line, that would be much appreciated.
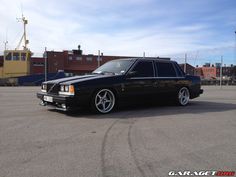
(131, 142)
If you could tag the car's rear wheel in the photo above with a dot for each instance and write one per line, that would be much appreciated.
(103, 101)
(183, 96)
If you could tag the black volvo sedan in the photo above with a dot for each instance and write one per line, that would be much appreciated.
(122, 80)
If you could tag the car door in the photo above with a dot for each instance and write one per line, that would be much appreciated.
(166, 79)
(139, 81)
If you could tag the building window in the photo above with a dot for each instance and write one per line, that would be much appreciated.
(70, 58)
(16, 56)
(23, 56)
(38, 64)
(78, 58)
(89, 58)
(8, 56)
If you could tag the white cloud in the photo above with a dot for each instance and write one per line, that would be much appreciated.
(104, 26)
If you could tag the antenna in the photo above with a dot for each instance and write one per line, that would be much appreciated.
(5, 45)
(5, 42)
(21, 9)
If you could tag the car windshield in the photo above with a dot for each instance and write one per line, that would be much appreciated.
(114, 67)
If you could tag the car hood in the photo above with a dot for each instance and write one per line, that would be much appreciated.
(75, 79)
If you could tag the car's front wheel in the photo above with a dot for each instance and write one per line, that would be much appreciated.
(183, 96)
(103, 101)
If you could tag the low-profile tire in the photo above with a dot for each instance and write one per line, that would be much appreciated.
(183, 96)
(103, 101)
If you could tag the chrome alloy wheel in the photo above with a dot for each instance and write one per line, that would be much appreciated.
(104, 100)
(183, 96)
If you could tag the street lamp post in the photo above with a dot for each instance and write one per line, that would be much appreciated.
(98, 59)
(235, 50)
(45, 64)
(221, 65)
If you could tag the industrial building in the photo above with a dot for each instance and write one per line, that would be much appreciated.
(71, 62)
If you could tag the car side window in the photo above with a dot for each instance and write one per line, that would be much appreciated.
(143, 69)
(179, 71)
(165, 69)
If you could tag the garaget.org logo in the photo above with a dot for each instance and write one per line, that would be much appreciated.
(202, 173)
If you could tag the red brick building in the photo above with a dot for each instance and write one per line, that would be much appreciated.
(189, 68)
(37, 65)
(70, 61)
(209, 72)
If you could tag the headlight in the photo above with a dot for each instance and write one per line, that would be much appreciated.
(44, 87)
(67, 90)
(62, 88)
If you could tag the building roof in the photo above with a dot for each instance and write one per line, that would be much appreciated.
(188, 65)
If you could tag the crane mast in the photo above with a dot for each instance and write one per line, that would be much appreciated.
(23, 38)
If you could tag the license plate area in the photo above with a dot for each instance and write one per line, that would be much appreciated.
(48, 99)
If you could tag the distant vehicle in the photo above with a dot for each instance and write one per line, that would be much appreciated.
(122, 80)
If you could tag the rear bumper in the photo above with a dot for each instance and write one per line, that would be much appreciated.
(61, 102)
(196, 93)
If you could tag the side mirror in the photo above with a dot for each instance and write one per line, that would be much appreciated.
(131, 74)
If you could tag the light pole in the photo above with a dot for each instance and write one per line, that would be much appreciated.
(45, 64)
(185, 63)
(98, 58)
(235, 49)
(221, 65)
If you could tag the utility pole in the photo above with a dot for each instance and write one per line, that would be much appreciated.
(5, 44)
(143, 54)
(98, 58)
(221, 65)
(45, 64)
(185, 62)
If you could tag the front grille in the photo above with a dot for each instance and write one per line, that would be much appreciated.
(53, 88)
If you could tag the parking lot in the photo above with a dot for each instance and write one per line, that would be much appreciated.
(145, 141)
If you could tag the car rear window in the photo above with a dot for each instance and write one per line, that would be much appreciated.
(165, 69)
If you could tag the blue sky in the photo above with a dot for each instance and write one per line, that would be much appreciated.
(202, 28)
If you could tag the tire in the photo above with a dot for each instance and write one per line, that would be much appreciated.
(183, 96)
(103, 101)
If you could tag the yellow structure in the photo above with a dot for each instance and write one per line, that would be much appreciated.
(16, 63)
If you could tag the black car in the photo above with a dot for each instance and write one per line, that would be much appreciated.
(120, 81)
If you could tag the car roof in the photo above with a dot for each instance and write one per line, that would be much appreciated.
(149, 58)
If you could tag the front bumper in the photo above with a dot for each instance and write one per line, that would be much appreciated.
(60, 102)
